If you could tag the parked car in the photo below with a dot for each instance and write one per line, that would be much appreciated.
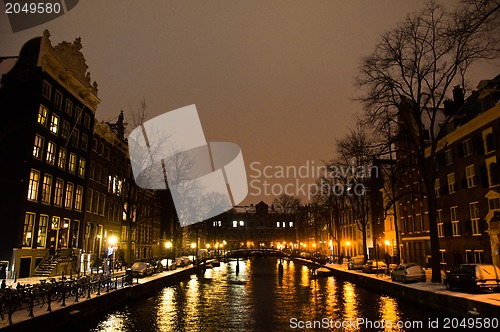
(183, 261)
(408, 272)
(142, 269)
(473, 277)
(356, 263)
(374, 266)
(320, 258)
(158, 266)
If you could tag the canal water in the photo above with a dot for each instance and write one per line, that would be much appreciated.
(259, 298)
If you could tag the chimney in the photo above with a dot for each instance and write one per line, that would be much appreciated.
(458, 96)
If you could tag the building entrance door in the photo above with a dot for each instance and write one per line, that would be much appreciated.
(54, 235)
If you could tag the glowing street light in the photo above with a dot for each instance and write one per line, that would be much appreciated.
(112, 241)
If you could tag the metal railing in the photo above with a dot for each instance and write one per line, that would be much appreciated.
(50, 291)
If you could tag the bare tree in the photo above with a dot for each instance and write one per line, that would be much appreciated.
(356, 153)
(408, 77)
(288, 204)
(330, 200)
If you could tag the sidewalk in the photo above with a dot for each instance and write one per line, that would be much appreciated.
(22, 315)
(489, 298)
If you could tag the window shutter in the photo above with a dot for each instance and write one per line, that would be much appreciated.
(483, 173)
(460, 148)
(448, 229)
(479, 146)
(468, 227)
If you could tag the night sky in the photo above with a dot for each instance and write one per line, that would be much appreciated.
(275, 77)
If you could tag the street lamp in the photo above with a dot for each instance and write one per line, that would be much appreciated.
(193, 246)
(168, 246)
(112, 240)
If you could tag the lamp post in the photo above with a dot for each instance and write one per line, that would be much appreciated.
(387, 255)
(112, 240)
(168, 246)
(193, 247)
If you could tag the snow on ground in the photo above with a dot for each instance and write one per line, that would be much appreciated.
(487, 297)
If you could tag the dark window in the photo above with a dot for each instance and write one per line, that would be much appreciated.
(68, 107)
(75, 137)
(85, 142)
(490, 142)
(58, 98)
(86, 121)
(46, 90)
(494, 176)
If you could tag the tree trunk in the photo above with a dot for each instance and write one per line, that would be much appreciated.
(434, 239)
(365, 246)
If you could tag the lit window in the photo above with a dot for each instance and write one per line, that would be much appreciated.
(290, 224)
(81, 168)
(63, 155)
(42, 115)
(58, 97)
(54, 124)
(58, 192)
(38, 147)
(471, 176)
(242, 223)
(46, 188)
(68, 203)
(78, 198)
(46, 90)
(451, 183)
(29, 221)
(235, 223)
(50, 157)
(33, 185)
(55, 222)
(278, 224)
(72, 163)
(42, 231)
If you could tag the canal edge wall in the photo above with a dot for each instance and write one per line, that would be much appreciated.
(72, 314)
(445, 303)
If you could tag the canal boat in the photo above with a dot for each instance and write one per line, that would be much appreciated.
(322, 272)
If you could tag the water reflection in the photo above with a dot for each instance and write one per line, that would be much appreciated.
(258, 298)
